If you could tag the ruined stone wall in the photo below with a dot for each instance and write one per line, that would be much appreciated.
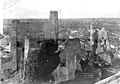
(72, 55)
(9, 28)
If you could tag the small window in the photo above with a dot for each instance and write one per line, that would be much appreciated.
(19, 44)
(63, 63)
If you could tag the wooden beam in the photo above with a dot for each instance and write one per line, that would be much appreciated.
(26, 46)
(115, 79)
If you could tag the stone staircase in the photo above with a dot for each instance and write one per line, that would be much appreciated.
(88, 75)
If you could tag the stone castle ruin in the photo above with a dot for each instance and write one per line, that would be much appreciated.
(37, 52)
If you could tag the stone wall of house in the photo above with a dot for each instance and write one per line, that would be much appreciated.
(72, 55)
(9, 28)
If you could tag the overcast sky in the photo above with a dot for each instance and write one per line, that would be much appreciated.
(66, 8)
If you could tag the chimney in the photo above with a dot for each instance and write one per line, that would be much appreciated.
(54, 21)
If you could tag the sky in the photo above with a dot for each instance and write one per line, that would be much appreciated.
(66, 9)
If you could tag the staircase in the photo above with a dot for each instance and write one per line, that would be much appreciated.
(88, 75)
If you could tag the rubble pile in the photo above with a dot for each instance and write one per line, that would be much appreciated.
(116, 63)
